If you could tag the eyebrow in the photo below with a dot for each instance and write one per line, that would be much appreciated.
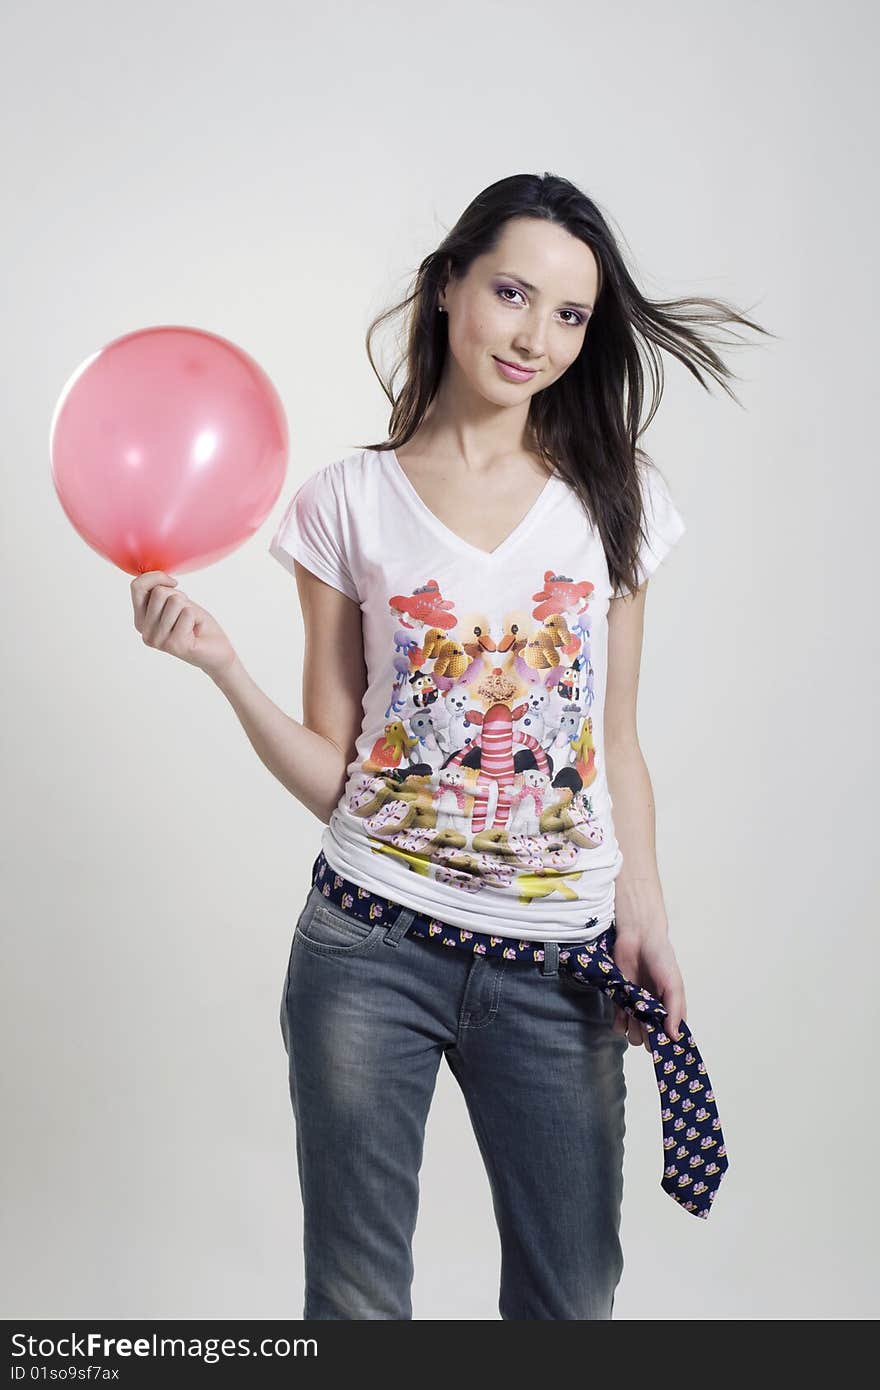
(533, 289)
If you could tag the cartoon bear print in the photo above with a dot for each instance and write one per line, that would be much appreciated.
(453, 798)
(457, 729)
(534, 721)
(528, 802)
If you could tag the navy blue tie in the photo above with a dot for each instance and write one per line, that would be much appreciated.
(695, 1157)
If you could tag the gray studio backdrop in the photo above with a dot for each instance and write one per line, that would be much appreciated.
(273, 175)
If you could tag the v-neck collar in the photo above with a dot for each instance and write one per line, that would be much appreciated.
(452, 538)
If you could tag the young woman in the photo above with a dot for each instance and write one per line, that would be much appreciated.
(473, 594)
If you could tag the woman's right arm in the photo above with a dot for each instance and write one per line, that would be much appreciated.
(310, 758)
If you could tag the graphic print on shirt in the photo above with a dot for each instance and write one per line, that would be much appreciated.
(482, 775)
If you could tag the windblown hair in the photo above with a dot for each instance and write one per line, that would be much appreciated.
(587, 424)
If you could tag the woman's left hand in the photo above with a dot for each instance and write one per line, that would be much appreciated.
(648, 960)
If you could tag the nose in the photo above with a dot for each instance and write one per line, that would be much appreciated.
(532, 338)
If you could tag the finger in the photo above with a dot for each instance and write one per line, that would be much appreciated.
(179, 641)
(174, 607)
(674, 1016)
(141, 587)
(672, 998)
(160, 594)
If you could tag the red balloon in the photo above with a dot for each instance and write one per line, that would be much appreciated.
(169, 449)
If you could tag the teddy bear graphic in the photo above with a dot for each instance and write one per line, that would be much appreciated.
(456, 729)
(453, 797)
(528, 802)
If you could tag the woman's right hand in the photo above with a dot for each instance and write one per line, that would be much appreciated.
(171, 622)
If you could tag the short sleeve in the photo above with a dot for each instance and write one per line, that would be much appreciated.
(662, 523)
(311, 531)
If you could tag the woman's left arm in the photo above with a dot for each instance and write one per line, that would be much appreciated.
(642, 949)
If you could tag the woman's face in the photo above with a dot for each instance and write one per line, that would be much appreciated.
(493, 315)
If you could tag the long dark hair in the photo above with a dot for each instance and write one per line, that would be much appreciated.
(586, 425)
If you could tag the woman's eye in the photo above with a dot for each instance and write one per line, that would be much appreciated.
(505, 289)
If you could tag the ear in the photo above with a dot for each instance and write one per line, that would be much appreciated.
(441, 288)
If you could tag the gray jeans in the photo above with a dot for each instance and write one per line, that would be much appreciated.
(367, 1014)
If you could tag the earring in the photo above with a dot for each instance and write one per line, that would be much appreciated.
(440, 309)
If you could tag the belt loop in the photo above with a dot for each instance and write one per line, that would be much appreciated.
(399, 926)
(550, 964)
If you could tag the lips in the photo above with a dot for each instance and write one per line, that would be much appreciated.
(514, 368)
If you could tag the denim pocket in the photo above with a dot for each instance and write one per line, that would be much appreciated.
(601, 1008)
(285, 992)
(328, 930)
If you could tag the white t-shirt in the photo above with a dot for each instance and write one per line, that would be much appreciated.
(478, 794)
